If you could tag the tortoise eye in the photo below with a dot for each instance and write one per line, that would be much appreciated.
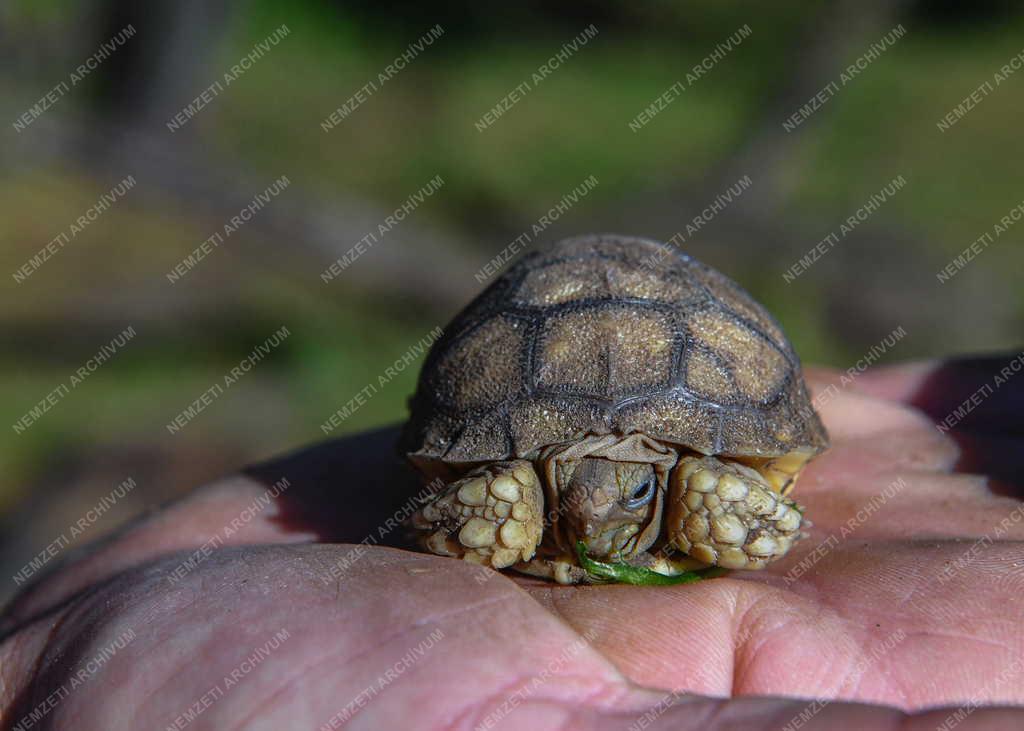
(641, 495)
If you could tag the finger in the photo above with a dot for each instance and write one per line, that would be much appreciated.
(1000, 459)
(980, 394)
(848, 413)
(883, 402)
(910, 482)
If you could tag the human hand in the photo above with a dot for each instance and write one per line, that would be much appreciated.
(907, 596)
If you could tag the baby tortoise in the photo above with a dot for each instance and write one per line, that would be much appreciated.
(615, 392)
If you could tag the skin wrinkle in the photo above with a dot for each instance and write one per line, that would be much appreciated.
(903, 694)
(558, 599)
(436, 619)
(885, 666)
(464, 609)
(51, 611)
(599, 691)
(561, 597)
(494, 701)
(919, 589)
(824, 606)
(739, 669)
(81, 604)
(617, 691)
(850, 683)
(750, 660)
(285, 685)
(962, 638)
(737, 621)
(30, 676)
(79, 593)
(10, 649)
(744, 652)
(477, 706)
(72, 608)
(171, 678)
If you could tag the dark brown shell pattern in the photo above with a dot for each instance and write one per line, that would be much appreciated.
(611, 334)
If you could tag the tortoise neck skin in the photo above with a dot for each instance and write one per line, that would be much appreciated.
(595, 492)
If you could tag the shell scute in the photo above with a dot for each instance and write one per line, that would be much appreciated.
(607, 334)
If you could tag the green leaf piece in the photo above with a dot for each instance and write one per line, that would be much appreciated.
(603, 573)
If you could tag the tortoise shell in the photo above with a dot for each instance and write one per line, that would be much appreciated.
(611, 334)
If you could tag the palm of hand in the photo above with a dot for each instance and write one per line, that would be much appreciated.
(907, 595)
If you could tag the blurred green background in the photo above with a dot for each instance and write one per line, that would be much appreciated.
(498, 182)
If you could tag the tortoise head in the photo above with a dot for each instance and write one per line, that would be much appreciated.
(611, 506)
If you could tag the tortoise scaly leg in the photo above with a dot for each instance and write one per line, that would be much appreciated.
(492, 516)
(724, 513)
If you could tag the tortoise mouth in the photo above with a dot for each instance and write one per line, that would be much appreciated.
(613, 541)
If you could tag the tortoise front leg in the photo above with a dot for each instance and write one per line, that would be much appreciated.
(725, 513)
(492, 516)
